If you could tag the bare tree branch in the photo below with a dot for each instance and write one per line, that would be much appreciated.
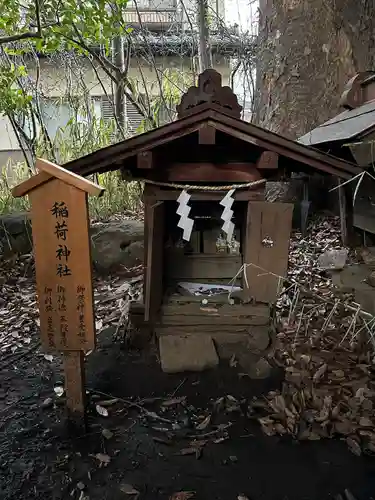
(20, 36)
(27, 34)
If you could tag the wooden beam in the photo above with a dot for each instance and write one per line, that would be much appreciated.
(75, 391)
(342, 209)
(346, 214)
(291, 149)
(268, 160)
(153, 284)
(144, 160)
(154, 194)
(350, 215)
(103, 160)
(207, 135)
(211, 172)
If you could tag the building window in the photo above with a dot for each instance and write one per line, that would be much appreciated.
(133, 117)
(58, 113)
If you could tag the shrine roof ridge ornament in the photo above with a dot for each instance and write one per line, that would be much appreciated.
(49, 171)
(209, 91)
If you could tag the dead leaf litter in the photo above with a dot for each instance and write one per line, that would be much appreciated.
(326, 351)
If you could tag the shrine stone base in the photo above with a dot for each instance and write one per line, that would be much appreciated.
(192, 335)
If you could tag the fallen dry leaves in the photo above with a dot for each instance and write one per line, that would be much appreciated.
(329, 388)
(103, 458)
(19, 315)
(182, 495)
(129, 490)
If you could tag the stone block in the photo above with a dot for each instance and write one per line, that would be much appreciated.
(255, 341)
(180, 353)
(333, 259)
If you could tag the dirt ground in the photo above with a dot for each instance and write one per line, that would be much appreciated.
(152, 435)
(155, 448)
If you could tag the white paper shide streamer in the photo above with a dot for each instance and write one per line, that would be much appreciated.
(228, 226)
(183, 211)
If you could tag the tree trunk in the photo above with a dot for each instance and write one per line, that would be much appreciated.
(308, 51)
(119, 97)
(204, 51)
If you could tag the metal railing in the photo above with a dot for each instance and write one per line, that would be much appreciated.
(150, 16)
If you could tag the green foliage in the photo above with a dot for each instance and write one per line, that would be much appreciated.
(71, 142)
(12, 98)
(78, 137)
(66, 25)
(74, 25)
(10, 176)
(79, 26)
(119, 196)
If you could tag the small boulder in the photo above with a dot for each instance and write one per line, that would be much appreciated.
(371, 279)
(15, 234)
(333, 259)
(368, 256)
(117, 244)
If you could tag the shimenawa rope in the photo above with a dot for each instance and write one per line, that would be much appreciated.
(206, 188)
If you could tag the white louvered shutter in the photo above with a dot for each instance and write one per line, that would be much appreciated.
(133, 117)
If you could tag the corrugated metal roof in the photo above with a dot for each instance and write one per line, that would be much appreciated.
(347, 125)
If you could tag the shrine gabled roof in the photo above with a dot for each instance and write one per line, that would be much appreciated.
(356, 122)
(351, 124)
(112, 157)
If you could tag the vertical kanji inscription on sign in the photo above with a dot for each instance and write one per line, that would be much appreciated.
(81, 309)
(63, 266)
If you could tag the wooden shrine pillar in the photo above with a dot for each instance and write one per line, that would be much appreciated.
(346, 208)
(154, 257)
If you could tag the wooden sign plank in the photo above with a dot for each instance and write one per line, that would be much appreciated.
(28, 185)
(60, 230)
(268, 228)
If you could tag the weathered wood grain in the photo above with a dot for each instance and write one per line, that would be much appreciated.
(204, 266)
(63, 266)
(268, 230)
(155, 214)
(225, 314)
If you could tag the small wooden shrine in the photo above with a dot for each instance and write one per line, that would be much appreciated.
(350, 135)
(215, 250)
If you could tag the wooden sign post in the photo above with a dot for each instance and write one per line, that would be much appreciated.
(60, 229)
